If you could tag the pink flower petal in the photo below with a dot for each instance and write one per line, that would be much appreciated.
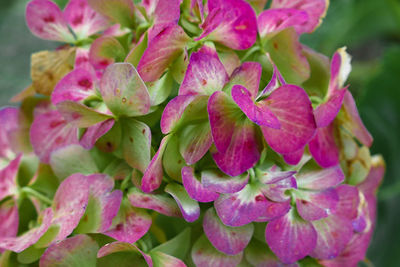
(340, 70)
(104, 51)
(205, 73)
(79, 248)
(162, 50)
(93, 133)
(217, 181)
(227, 239)
(370, 185)
(10, 121)
(290, 237)
(349, 200)
(9, 219)
(50, 131)
(119, 11)
(46, 21)
(160, 203)
(323, 147)
(274, 20)
(123, 91)
(291, 105)
(75, 86)
(166, 13)
(194, 187)
(327, 111)
(83, 20)
(204, 254)
(317, 205)
(248, 75)
(320, 179)
(232, 23)
(295, 157)
(276, 191)
(117, 246)
(8, 179)
(274, 210)
(190, 208)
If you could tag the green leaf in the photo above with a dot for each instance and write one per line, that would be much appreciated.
(30, 255)
(172, 159)
(46, 181)
(177, 246)
(160, 90)
(136, 53)
(179, 67)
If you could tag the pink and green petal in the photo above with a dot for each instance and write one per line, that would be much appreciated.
(46, 20)
(9, 219)
(20, 243)
(161, 52)
(123, 91)
(276, 191)
(334, 232)
(79, 250)
(83, 20)
(153, 175)
(160, 203)
(275, 82)
(194, 187)
(166, 13)
(165, 260)
(273, 175)
(230, 60)
(241, 208)
(105, 51)
(274, 210)
(117, 246)
(261, 116)
(205, 73)
(173, 112)
(272, 21)
(320, 179)
(232, 23)
(323, 147)
(10, 121)
(204, 254)
(217, 181)
(190, 208)
(75, 86)
(227, 239)
(258, 254)
(370, 185)
(95, 132)
(327, 111)
(291, 105)
(340, 70)
(316, 10)
(349, 200)
(290, 237)
(49, 132)
(249, 76)
(8, 178)
(119, 11)
(316, 205)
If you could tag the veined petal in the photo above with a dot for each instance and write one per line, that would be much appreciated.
(276, 191)
(104, 51)
(349, 201)
(204, 254)
(316, 10)
(340, 70)
(291, 105)
(320, 179)
(75, 86)
(162, 50)
(323, 147)
(166, 13)
(190, 208)
(194, 187)
(50, 131)
(316, 205)
(273, 175)
(83, 20)
(274, 20)
(46, 21)
(205, 73)
(217, 181)
(95, 132)
(160, 203)
(9, 219)
(123, 91)
(232, 23)
(290, 237)
(8, 178)
(227, 239)
(294, 158)
(248, 75)
(119, 11)
(10, 121)
(274, 210)
(326, 112)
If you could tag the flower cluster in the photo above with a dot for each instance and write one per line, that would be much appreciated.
(185, 133)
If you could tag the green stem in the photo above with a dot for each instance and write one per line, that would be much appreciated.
(34, 193)
(250, 52)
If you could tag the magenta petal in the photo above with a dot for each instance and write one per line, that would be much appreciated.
(70, 203)
(242, 207)
(227, 239)
(83, 20)
(82, 60)
(275, 82)
(194, 187)
(49, 131)
(274, 210)
(153, 175)
(205, 73)
(291, 105)
(290, 237)
(274, 20)
(8, 178)
(327, 111)
(93, 133)
(340, 70)
(166, 13)
(217, 181)
(20, 243)
(261, 116)
(190, 208)
(355, 124)
(273, 175)
(204, 254)
(162, 50)
(124, 91)
(316, 10)
(45, 20)
(160, 203)
(316, 205)
(248, 75)
(295, 157)
(276, 191)
(9, 219)
(75, 86)
(323, 147)
(320, 179)
(232, 23)
(334, 233)
(349, 200)
(173, 112)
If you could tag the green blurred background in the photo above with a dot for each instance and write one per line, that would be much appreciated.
(371, 31)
